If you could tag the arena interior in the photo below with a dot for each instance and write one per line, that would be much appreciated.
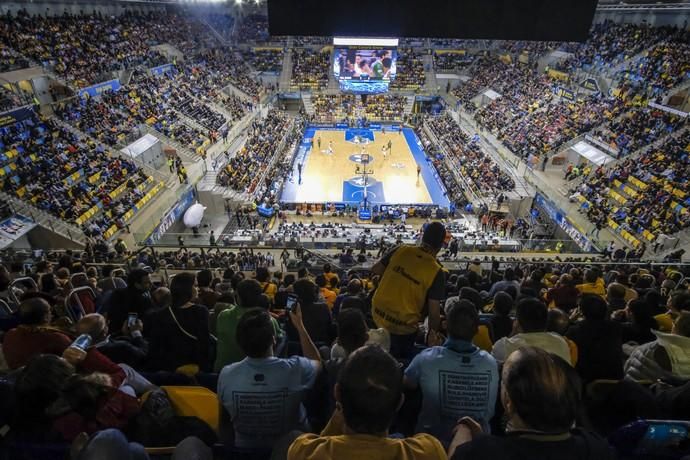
(219, 243)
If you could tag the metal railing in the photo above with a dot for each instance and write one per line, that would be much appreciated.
(183, 150)
(45, 219)
(467, 185)
(247, 238)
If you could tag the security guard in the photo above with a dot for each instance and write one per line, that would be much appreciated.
(412, 284)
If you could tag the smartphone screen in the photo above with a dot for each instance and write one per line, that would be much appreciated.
(82, 342)
(131, 319)
(291, 301)
(660, 434)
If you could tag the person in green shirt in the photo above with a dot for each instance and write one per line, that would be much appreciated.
(377, 67)
(249, 295)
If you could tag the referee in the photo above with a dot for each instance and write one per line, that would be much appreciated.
(411, 287)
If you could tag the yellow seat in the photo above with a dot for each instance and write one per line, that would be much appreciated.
(195, 402)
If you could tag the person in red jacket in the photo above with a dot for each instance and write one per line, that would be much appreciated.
(35, 336)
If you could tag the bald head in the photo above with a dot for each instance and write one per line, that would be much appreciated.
(93, 324)
(162, 297)
(541, 390)
(557, 321)
(354, 287)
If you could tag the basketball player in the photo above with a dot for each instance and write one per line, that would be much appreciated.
(377, 67)
(384, 151)
(318, 142)
(299, 173)
(390, 144)
(419, 171)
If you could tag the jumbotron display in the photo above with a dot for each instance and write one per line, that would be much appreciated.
(365, 65)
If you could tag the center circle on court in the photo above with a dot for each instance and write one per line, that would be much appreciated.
(358, 181)
(357, 158)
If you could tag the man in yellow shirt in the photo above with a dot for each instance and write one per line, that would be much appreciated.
(368, 394)
(263, 276)
(593, 284)
(328, 295)
(677, 302)
(328, 274)
(412, 284)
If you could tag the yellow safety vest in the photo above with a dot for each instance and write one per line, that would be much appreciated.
(401, 296)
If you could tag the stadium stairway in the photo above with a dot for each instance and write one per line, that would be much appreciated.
(209, 182)
(286, 73)
(673, 91)
(431, 83)
(333, 84)
(213, 31)
(308, 105)
(409, 105)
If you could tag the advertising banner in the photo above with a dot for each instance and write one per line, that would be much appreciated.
(15, 116)
(95, 90)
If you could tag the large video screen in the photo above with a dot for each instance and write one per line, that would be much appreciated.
(364, 64)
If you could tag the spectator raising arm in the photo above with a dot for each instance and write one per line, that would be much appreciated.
(309, 350)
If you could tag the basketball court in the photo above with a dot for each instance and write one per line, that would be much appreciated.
(333, 163)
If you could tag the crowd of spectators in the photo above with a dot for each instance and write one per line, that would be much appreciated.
(96, 117)
(546, 129)
(144, 102)
(9, 99)
(663, 67)
(610, 43)
(530, 120)
(487, 73)
(646, 196)
(87, 48)
(467, 154)
(521, 92)
(11, 59)
(110, 116)
(264, 60)
(242, 260)
(637, 128)
(452, 61)
(254, 28)
(410, 74)
(221, 23)
(67, 176)
(310, 69)
(338, 107)
(156, 100)
(333, 107)
(206, 80)
(180, 97)
(244, 171)
(227, 67)
(568, 354)
(268, 192)
(301, 41)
